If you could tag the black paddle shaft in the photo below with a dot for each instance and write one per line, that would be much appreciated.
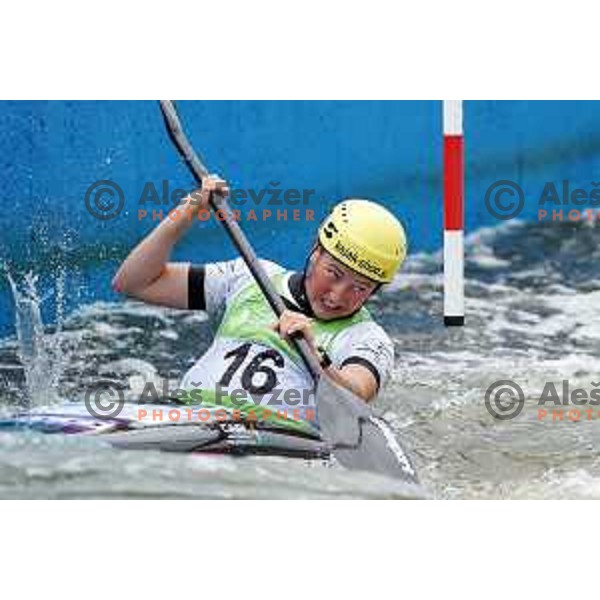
(234, 231)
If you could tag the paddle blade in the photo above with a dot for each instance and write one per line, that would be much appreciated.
(359, 439)
(338, 413)
(378, 452)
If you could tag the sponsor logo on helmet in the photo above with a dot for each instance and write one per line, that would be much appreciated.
(363, 264)
(329, 229)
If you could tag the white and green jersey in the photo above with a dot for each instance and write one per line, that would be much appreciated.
(249, 367)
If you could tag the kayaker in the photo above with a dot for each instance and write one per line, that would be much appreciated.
(358, 248)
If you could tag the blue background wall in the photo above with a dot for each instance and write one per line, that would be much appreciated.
(51, 152)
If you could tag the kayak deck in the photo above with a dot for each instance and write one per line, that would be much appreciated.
(377, 450)
(216, 436)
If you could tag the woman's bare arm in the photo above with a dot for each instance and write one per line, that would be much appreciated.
(146, 273)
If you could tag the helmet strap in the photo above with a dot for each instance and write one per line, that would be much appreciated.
(305, 274)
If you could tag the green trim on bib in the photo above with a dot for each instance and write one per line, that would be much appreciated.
(253, 412)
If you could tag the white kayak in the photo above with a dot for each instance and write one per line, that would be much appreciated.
(379, 450)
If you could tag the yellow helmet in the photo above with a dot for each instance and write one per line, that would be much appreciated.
(366, 237)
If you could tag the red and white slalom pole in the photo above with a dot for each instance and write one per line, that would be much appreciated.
(454, 304)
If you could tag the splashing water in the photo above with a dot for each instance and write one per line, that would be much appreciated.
(41, 354)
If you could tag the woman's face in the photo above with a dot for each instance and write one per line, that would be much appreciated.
(334, 290)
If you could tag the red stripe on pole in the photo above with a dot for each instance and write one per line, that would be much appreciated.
(453, 182)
